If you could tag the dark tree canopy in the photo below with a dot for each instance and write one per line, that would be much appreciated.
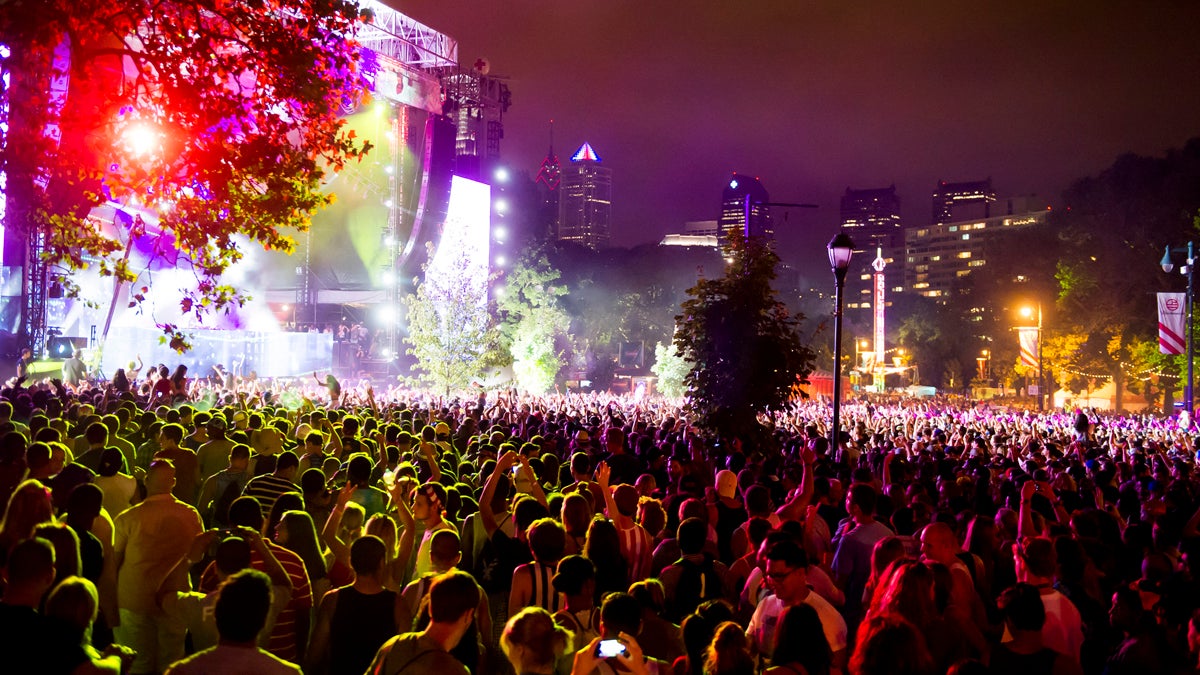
(746, 349)
(220, 116)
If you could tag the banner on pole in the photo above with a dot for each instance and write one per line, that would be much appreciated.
(1028, 336)
(1172, 308)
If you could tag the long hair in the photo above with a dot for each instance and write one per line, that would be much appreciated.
(800, 638)
(302, 540)
(729, 652)
(908, 593)
(888, 644)
(29, 506)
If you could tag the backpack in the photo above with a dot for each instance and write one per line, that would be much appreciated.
(698, 582)
(220, 511)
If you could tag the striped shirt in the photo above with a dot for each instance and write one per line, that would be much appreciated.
(636, 545)
(541, 590)
(266, 489)
(283, 641)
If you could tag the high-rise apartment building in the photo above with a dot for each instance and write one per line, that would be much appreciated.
(939, 254)
(585, 200)
(744, 209)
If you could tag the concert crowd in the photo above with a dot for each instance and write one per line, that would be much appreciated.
(154, 523)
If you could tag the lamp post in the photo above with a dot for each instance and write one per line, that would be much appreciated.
(840, 248)
(1027, 312)
(1167, 266)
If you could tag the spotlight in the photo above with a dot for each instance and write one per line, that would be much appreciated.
(387, 314)
(502, 175)
(140, 139)
(501, 261)
(501, 205)
(387, 278)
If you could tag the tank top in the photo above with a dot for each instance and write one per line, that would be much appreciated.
(542, 592)
(361, 624)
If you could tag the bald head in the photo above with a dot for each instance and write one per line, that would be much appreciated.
(939, 543)
(160, 477)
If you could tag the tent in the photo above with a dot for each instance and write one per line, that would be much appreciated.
(1103, 398)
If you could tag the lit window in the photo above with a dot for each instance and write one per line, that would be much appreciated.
(897, 289)
(922, 233)
(865, 277)
(966, 236)
(962, 273)
(954, 228)
(964, 254)
(924, 284)
(935, 258)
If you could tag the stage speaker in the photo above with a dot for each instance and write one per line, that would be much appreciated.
(62, 347)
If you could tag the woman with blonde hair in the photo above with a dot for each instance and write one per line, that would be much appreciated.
(75, 603)
(729, 652)
(29, 506)
(533, 643)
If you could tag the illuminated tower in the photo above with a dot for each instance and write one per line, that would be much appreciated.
(744, 208)
(547, 181)
(585, 200)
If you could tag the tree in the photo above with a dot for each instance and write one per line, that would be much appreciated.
(220, 118)
(746, 350)
(671, 369)
(449, 328)
(533, 322)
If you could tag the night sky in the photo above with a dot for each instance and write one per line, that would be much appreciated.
(814, 97)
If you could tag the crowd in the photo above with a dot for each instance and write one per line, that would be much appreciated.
(156, 524)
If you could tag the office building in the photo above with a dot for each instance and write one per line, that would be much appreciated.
(872, 219)
(585, 200)
(744, 209)
(962, 201)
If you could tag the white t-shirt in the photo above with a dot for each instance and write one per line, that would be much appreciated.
(1063, 631)
(761, 630)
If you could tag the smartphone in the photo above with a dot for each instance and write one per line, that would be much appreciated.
(607, 649)
(516, 469)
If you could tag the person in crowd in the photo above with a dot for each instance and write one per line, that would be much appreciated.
(149, 540)
(267, 488)
(786, 573)
(241, 610)
(800, 644)
(354, 621)
(453, 601)
(187, 467)
(1024, 616)
(533, 642)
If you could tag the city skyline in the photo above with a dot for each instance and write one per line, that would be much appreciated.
(811, 99)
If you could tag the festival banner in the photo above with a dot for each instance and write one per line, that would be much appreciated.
(1028, 336)
(1171, 330)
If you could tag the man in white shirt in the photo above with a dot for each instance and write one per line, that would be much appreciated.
(1036, 563)
(787, 566)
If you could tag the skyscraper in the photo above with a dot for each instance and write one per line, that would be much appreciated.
(585, 200)
(872, 218)
(962, 201)
(744, 208)
(547, 182)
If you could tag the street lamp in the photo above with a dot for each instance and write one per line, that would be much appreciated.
(1028, 313)
(840, 248)
(1167, 266)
